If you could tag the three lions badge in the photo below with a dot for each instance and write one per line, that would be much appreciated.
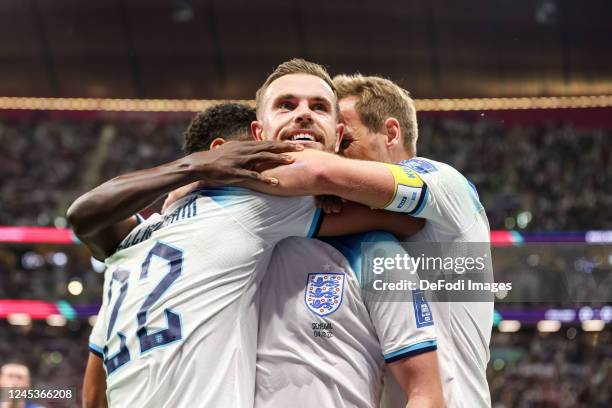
(324, 292)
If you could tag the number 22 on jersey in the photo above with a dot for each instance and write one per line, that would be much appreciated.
(147, 341)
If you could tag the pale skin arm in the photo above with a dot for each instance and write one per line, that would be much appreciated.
(353, 219)
(319, 173)
(94, 383)
(419, 377)
(369, 183)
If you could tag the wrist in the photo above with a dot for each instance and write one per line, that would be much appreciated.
(192, 170)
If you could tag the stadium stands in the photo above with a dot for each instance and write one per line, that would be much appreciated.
(529, 177)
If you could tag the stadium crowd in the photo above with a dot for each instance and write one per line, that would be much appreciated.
(44, 272)
(540, 178)
(563, 369)
(569, 368)
(559, 175)
(56, 356)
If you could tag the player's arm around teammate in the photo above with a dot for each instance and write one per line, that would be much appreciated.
(320, 173)
(102, 217)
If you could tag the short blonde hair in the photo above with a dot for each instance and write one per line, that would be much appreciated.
(296, 66)
(378, 99)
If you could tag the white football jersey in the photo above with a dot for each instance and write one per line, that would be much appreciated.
(439, 193)
(322, 341)
(178, 325)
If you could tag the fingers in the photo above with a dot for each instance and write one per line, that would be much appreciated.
(271, 146)
(331, 207)
(329, 204)
(166, 204)
(267, 158)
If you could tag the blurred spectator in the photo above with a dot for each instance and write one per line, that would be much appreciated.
(56, 356)
(16, 375)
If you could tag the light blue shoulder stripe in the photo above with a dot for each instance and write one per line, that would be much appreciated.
(411, 349)
(97, 349)
(315, 222)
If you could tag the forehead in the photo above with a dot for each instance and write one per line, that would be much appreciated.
(14, 369)
(300, 86)
(348, 114)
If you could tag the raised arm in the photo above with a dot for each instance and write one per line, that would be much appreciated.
(102, 217)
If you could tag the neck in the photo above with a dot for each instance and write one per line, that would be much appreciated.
(397, 156)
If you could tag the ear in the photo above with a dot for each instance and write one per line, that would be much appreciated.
(217, 142)
(393, 131)
(339, 136)
(257, 130)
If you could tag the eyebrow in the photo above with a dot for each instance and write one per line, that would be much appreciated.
(285, 96)
(292, 96)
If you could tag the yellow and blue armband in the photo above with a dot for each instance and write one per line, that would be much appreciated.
(410, 191)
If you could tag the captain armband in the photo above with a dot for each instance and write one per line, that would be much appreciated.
(410, 193)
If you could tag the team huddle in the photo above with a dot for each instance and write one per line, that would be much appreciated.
(247, 290)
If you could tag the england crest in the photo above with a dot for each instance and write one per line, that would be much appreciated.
(324, 292)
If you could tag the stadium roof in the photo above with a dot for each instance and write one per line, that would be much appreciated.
(222, 49)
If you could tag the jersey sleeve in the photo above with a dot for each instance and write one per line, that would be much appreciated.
(97, 338)
(436, 192)
(403, 321)
(269, 217)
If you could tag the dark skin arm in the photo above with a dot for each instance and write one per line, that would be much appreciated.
(94, 383)
(102, 217)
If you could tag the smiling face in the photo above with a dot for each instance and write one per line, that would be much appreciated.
(299, 107)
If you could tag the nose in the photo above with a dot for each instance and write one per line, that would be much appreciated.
(303, 113)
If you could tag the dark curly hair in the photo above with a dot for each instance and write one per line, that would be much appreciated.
(231, 121)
